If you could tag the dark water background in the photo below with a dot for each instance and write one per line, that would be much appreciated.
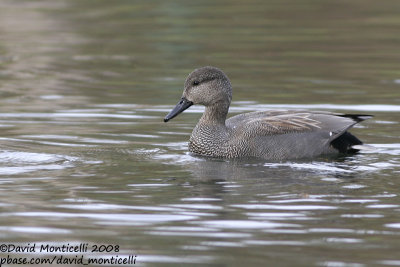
(86, 158)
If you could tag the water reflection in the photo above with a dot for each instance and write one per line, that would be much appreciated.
(244, 204)
(85, 156)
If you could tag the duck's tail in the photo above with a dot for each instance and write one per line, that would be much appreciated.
(348, 143)
(356, 117)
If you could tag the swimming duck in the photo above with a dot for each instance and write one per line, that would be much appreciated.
(271, 135)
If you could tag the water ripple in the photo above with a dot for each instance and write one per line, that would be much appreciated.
(244, 224)
(72, 115)
(17, 162)
(284, 207)
(114, 219)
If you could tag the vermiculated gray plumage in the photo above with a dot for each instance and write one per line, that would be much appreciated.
(275, 134)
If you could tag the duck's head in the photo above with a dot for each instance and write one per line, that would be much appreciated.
(207, 86)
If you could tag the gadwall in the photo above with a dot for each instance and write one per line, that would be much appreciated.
(272, 135)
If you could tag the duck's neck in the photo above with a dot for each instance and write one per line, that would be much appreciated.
(210, 136)
(215, 114)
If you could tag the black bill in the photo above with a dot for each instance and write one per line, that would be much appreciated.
(181, 106)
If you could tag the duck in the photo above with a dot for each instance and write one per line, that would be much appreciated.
(269, 135)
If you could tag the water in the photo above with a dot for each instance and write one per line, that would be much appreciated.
(86, 158)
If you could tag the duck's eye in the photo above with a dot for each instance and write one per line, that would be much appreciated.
(196, 83)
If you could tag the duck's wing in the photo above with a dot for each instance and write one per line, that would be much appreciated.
(294, 134)
(277, 122)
